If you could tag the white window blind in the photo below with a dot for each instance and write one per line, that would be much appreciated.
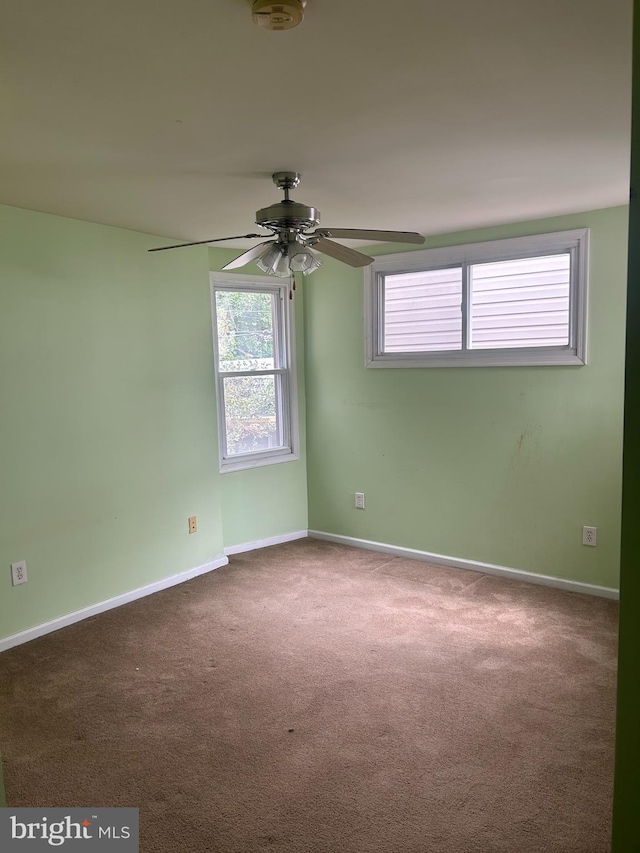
(422, 311)
(520, 303)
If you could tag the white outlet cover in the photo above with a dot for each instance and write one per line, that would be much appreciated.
(590, 536)
(359, 500)
(19, 573)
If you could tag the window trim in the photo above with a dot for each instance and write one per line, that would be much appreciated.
(288, 400)
(576, 242)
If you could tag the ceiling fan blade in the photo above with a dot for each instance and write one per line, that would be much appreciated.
(369, 234)
(202, 242)
(341, 253)
(245, 257)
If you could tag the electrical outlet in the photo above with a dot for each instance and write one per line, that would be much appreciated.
(590, 536)
(193, 524)
(19, 573)
(359, 500)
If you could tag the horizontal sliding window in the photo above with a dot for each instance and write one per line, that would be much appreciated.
(508, 302)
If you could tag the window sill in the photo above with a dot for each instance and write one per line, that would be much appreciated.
(493, 358)
(247, 462)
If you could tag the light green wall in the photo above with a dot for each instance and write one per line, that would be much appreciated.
(500, 465)
(108, 437)
(108, 429)
(272, 500)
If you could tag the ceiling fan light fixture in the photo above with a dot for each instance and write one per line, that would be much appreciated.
(274, 260)
(269, 257)
(281, 269)
(303, 259)
(316, 263)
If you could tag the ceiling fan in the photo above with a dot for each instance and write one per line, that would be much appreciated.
(292, 247)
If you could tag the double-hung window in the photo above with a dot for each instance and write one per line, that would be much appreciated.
(254, 358)
(521, 301)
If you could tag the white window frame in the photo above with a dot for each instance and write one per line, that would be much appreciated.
(285, 341)
(576, 243)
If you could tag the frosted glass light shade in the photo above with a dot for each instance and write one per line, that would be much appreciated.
(303, 259)
(269, 259)
(283, 259)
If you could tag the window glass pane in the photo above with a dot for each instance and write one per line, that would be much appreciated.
(245, 330)
(422, 311)
(520, 303)
(251, 413)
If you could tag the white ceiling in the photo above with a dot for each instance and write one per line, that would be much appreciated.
(428, 115)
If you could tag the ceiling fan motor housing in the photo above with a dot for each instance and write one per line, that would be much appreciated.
(278, 16)
(288, 214)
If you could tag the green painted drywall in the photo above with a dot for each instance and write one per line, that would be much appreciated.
(108, 435)
(263, 502)
(626, 833)
(500, 465)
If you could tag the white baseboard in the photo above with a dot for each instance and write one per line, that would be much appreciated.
(109, 604)
(264, 543)
(473, 565)
(215, 563)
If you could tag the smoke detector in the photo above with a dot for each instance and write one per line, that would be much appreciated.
(278, 16)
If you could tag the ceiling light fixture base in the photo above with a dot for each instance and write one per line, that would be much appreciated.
(286, 180)
(278, 16)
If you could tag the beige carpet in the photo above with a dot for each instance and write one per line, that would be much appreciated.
(313, 697)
